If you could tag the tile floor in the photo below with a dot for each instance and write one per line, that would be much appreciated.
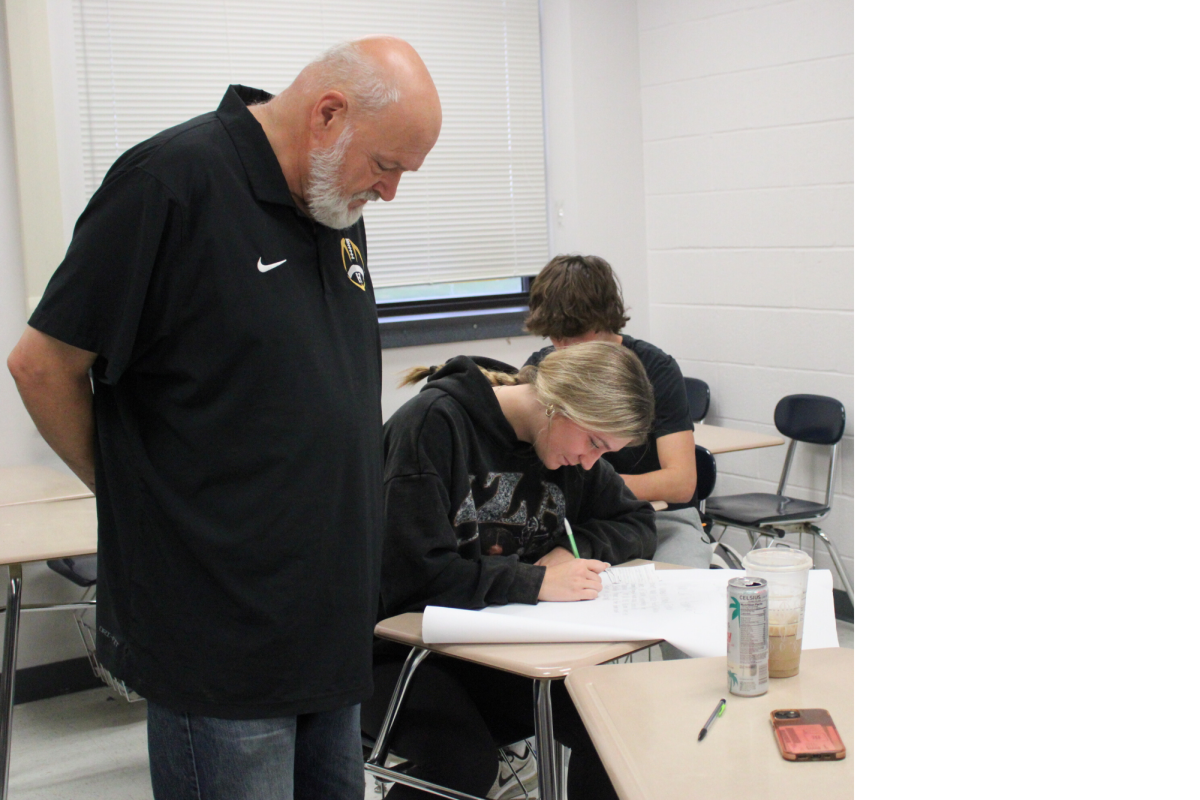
(91, 745)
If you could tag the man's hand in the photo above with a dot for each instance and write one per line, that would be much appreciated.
(52, 378)
(556, 556)
(577, 579)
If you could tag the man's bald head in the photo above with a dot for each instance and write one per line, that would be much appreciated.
(351, 124)
(373, 73)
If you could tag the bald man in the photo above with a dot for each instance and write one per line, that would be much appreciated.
(207, 359)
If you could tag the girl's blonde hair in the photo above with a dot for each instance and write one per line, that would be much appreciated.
(599, 386)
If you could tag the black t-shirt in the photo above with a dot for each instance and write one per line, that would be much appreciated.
(239, 484)
(671, 413)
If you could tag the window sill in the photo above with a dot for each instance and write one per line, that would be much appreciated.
(413, 330)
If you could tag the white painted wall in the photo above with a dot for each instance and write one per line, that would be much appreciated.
(747, 111)
(594, 141)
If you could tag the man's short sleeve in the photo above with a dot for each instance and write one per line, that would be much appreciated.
(95, 298)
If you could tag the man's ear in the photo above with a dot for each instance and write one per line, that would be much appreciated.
(328, 114)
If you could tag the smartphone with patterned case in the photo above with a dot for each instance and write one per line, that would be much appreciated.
(807, 734)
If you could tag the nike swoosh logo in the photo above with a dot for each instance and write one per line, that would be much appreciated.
(268, 267)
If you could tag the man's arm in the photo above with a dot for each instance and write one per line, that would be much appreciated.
(676, 481)
(52, 378)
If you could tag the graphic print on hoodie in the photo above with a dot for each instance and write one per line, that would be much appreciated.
(503, 529)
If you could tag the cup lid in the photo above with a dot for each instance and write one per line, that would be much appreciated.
(777, 559)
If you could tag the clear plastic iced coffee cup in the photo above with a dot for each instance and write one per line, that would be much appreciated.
(786, 572)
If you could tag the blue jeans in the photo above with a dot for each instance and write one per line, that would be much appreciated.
(317, 756)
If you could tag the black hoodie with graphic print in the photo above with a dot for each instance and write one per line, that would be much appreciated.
(469, 507)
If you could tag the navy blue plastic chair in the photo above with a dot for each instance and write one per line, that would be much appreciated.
(812, 419)
(698, 398)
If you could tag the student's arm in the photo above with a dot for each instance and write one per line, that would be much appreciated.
(421, 561)
(676, 481)
(612, 525)
(422, 566)
(52, 379)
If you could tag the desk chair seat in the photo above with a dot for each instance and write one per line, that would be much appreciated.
(808, 418)
(758, 509)
(80, 571)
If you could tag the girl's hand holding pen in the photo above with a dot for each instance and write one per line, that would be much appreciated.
(576, 579)
(556, 556)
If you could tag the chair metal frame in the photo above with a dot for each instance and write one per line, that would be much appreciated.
(66, 567)
(551, 772)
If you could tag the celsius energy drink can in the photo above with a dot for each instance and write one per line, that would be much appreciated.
(747, 642)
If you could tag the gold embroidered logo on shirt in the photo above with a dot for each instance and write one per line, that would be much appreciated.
(354, 263)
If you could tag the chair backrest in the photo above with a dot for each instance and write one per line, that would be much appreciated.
(706, 473)
(811, 418)
(698, 398)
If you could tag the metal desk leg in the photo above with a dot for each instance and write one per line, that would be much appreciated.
(7, 681)
(560, 767)
(547, 750)
(374, 765)
(379, 752)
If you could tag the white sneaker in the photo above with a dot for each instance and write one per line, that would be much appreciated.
(517, 777)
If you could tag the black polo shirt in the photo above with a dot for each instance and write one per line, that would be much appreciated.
(239, 452)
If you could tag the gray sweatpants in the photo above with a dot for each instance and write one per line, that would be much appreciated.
(680, 539)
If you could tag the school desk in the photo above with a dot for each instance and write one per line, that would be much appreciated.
(644, 719)
(37, 484)
(543, 663)
(32, 532)
(728, 440)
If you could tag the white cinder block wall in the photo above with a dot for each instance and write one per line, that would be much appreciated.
(747, 123)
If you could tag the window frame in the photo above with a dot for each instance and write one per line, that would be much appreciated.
(411, 323)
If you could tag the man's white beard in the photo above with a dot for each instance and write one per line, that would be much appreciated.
(327, 204)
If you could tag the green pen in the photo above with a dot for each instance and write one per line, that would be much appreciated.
(571, 536)
(718, 711)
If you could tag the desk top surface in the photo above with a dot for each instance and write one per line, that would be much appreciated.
(544, 660)
(644, 719)
(38, 484)
(42, 531)
(728, 440)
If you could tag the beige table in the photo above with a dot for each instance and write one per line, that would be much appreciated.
(36, 484)
(728, 440)
(644, 719)
(543, 663)
(30, 532)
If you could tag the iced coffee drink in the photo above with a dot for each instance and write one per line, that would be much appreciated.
(786, 572)
(783, 644)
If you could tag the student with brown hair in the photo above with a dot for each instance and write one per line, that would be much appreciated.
(576, 299)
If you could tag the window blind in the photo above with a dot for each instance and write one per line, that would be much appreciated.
(477, 207)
